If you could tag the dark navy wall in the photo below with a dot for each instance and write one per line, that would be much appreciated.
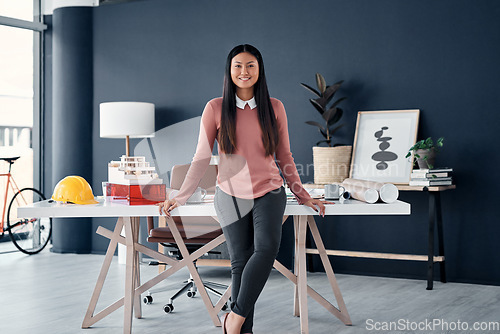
(438, 56)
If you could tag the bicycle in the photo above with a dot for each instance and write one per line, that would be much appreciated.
(29, 235)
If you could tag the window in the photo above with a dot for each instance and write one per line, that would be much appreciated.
(18, 9)
(20, 112)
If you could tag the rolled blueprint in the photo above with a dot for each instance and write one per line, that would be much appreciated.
(361, 193)
(388, 192)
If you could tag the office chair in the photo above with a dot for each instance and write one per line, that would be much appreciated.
(195, 233)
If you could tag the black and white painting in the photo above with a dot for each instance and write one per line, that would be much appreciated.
(381, 142)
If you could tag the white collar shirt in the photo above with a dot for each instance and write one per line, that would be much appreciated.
(241, 104)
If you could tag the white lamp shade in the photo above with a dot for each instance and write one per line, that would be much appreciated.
(122, 119)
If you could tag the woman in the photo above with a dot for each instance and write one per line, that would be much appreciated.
(250, 128)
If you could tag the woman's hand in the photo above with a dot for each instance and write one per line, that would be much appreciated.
(312, 203)
(167, 206)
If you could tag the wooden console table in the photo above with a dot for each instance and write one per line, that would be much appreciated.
(435, 219)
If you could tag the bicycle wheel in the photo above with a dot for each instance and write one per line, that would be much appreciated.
(29, 235)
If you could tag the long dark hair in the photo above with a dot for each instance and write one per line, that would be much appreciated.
(267, 120)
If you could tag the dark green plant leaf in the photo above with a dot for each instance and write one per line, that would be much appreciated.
(336, 116)
(318, 107)
(312, 90)
(427, 144)
(331, 90)
(320, 81)
(338, 101)
(333, 114)
(328, 115)
(339, 83)
(316, 124)
(414, 147)
(418, 145)
(322, 102)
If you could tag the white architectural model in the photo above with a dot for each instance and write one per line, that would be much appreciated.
(132, 171)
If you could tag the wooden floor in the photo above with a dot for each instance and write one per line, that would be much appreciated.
(49, 293)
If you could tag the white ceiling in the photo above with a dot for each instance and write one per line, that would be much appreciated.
(48, 6)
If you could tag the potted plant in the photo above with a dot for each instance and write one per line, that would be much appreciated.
(331, 163)
(425, 152)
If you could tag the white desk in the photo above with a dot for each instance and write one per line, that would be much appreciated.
(129, 218)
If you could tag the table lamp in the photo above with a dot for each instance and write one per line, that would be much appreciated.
(131, 180)
(127, 120)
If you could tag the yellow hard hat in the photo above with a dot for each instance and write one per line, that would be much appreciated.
(74, 189)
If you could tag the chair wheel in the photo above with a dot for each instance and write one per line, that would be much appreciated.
(168, 308)
(191, 294)
(147, 300)
(224, 307)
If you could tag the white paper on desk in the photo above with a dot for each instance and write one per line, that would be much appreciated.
(316, 193)
(207, 198)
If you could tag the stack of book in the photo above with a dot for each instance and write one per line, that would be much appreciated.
(431, 177)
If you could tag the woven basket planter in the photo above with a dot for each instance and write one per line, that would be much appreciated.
(331, 164)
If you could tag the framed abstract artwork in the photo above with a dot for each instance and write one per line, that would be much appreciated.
(381, 142)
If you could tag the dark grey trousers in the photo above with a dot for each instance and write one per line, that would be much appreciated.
(252, 228)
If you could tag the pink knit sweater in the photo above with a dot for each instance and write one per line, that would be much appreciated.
(247, 173)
